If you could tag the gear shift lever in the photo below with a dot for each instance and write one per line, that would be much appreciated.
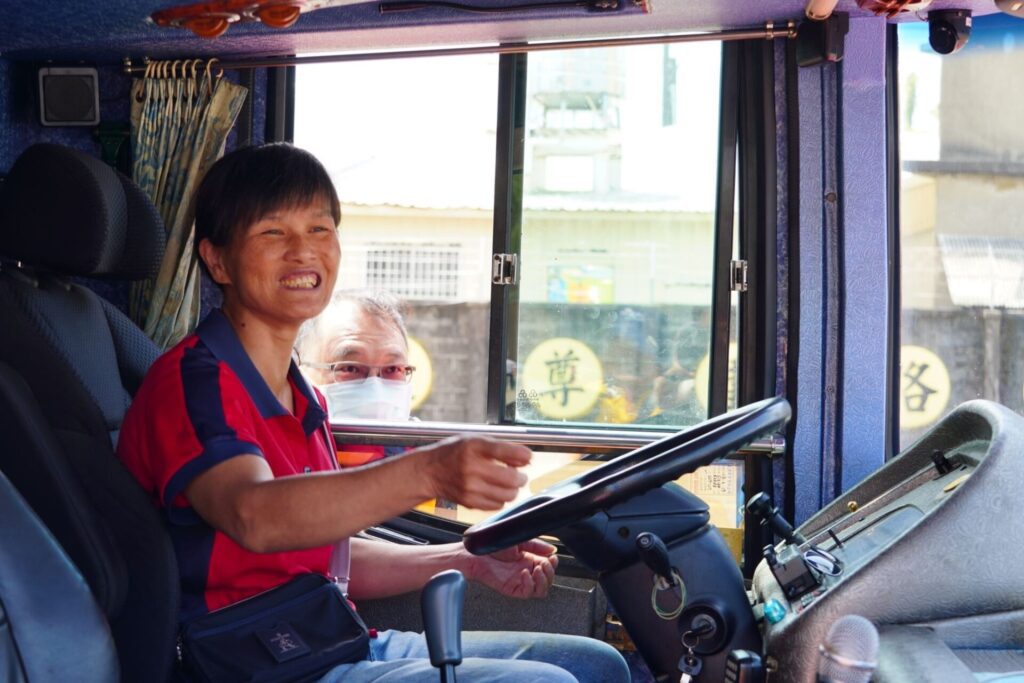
(761, 505)
(441, 602)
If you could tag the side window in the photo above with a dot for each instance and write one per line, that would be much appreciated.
(961, 225)
(612, 213)
(409, 144)
(617, 228)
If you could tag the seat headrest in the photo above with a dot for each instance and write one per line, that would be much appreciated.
(65, 211)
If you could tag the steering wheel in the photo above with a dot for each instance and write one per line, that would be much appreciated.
(626, 476)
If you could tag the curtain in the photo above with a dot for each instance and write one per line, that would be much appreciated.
(181, 116)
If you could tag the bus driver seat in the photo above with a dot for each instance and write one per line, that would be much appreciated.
(76, 362)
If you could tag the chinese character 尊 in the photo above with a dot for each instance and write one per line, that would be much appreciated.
(562, 375)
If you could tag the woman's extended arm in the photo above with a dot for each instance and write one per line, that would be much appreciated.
(241, 497)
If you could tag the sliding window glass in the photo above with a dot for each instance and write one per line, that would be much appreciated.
(409, 144)
(612, 203)
(617, 230)
(961, 224)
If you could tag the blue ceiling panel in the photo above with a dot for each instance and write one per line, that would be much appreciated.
(108, 30)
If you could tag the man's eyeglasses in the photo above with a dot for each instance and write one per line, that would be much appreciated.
(351, 371)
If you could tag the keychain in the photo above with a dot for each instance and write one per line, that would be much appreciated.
(690, 664)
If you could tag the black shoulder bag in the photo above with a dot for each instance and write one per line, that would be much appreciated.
(295, 632)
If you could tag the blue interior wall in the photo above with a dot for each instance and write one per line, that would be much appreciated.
(843, 367)
(865, 254)
(258, 98)
(812, 448)
(19, 110)
(780, 490)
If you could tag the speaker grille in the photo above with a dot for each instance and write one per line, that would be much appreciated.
(68, 98)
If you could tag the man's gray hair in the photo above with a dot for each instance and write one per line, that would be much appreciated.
(380, 304)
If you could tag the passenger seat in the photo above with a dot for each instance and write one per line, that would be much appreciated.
(75, 361)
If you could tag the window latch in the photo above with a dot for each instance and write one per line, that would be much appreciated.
(738, 275)
(504, 269)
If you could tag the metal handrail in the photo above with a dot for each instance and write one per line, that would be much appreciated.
(769, 31)
(541, 438)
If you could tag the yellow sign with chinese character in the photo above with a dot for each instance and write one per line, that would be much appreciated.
(924, 387)
(562, 378)
(423, 378)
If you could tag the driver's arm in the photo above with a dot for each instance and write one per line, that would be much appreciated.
(380, 569)
(243, 499)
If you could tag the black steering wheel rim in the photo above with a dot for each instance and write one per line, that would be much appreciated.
(626, 476)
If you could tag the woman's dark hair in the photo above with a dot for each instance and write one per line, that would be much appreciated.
(249, 183)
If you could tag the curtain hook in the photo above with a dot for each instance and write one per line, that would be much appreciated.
(139, 96)
(209, 76)
(192, 83)
(191, 64)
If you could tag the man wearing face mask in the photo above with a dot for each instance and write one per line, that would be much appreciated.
(357, 352)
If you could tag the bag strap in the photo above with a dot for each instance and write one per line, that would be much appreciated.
(340, 565)
(325, 426)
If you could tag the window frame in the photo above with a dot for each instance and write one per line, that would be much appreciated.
(507, 222)
(757, 173)
(507, 235)
(893, 164)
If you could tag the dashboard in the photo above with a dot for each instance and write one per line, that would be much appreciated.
(921, 541)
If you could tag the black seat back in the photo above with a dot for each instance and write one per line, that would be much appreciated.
(63, 214)
(42, 639)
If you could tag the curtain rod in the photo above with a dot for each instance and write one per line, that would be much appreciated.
(768, 32)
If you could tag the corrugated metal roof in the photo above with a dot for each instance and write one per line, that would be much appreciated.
(982, 270)
(560, 202)
(412, 183)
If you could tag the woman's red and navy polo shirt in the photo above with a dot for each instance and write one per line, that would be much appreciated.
(202, 403)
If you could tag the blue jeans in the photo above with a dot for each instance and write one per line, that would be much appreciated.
(488, 657)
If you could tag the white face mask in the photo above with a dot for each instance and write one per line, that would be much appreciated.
(371, 399)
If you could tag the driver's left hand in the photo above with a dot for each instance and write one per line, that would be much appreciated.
(523, 571)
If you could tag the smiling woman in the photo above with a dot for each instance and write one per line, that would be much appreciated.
(228, 438)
